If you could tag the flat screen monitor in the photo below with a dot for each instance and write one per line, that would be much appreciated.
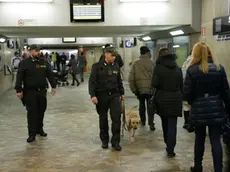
(69, 40)
(87, 10)
(221, 25)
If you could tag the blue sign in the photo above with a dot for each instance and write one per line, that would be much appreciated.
(128, 44)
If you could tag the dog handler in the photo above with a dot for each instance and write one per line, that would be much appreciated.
(32, 74)
(106, 91)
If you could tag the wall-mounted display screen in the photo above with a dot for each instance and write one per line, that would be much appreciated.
(87, 10)
(69, 40)
(221, 25)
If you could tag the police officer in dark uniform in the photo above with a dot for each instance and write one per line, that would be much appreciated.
(117, 60)
(107, 91)
(31, 88)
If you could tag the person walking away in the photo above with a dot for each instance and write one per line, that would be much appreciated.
(168, 82)
(63, 61)
(58, 61)
(106, 91)
(54, 60)
(186, 106)
(31, 85)
(140, 83)
(14, 66)
(74, 69)
(82, 63)
(206, 89)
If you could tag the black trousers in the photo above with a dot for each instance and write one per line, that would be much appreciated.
(74, 78)
(36, 104)
(169, 126)
(217, 152)
(143, 105)
(113, 103)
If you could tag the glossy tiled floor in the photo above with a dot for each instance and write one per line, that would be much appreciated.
(73, 144)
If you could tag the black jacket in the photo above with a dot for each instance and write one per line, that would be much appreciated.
(33, 74)
(206, 93)
(105, 77)
(118, 60)
(168, 81)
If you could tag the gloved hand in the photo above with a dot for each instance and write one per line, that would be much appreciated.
(137, 95)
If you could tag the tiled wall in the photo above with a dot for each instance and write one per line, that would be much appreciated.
(5, 80)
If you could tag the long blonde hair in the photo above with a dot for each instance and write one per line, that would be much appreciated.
(201, 52)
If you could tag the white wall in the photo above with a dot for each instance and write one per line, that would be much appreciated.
(174, 12)
(81, 41)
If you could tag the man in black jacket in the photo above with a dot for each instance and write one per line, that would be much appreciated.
(32, 74)
(106, 91)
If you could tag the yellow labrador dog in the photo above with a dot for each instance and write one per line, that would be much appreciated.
(131, 122)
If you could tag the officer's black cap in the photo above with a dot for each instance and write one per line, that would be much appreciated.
(111, 50)
(34, 47)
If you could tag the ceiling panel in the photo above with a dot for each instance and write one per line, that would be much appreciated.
(81, 31)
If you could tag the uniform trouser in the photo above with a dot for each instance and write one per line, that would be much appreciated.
(82, 73)
(169, 126)
(143, 103)
(113, 103)
(36, 104)
(217, 152)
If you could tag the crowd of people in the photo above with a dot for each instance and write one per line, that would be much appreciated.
(199, 90)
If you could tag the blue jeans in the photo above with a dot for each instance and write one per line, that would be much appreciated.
(217, 152)
(169, 126)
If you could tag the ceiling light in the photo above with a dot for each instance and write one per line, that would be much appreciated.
(176, 46)
(30, 1)
(144, 0)
(2, 40)
(177, 32)
(146, 38)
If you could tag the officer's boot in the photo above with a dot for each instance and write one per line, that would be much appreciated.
(116, 147)
(82, 79)
(31, 138)
(105, 145)
(42, 133)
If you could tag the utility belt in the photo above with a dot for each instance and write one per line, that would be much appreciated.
(35, 89)
(107, 92)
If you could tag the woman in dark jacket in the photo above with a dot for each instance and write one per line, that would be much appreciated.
(206, 89)
(74, 69)
(168, 82)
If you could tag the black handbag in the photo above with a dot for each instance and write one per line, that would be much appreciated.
(152, 101)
